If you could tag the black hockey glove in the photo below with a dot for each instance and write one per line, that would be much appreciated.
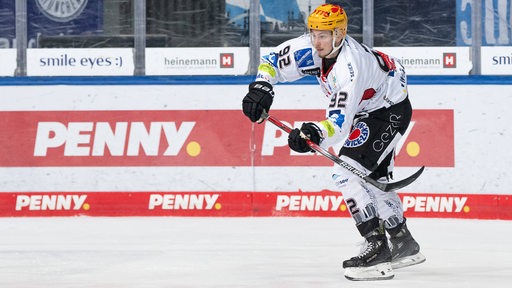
(259, 98)
(297, 143)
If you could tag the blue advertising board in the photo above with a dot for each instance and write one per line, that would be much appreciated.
(271, 11)
(496, 22)
(56, 17)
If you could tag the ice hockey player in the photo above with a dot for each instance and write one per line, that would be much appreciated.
(369, 111)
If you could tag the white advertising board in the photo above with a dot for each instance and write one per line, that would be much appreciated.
(197, 61)
(235, 61)
(496, 60)
(8, 60)
(432, 60)
(80, 62)
(212, 61)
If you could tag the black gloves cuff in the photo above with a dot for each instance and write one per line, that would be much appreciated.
(258, 99)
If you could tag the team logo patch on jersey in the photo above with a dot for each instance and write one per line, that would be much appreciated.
(360, 133)
(304, 57)
(272, 58)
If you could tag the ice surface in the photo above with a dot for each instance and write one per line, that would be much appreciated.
(238, 252)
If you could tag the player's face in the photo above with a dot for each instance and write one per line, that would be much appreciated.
(322, 41)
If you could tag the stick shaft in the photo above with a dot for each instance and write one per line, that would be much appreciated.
(387, 187)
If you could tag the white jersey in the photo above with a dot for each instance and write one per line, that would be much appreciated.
(361, 81)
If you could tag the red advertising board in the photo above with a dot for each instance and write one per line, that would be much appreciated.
(189, 138)
(241, 204)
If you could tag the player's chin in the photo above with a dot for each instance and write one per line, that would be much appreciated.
(324, 52)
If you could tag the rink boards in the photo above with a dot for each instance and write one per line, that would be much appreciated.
(180, 146)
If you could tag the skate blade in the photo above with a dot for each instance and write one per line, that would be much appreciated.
(408, 261)
(381, 271)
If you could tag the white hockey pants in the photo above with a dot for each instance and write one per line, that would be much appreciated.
(365, 201)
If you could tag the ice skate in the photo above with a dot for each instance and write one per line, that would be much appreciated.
(405, 251)
(373, 263)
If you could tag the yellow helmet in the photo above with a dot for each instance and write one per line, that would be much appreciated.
(328, 17)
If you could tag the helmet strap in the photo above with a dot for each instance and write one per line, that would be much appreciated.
(334, 47)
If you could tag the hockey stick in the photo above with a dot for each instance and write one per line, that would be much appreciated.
(387, 187)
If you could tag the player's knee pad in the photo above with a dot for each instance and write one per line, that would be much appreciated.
(389, 206)
(359, 199)
(365, 214)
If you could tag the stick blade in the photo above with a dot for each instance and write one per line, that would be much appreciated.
(404, 182)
